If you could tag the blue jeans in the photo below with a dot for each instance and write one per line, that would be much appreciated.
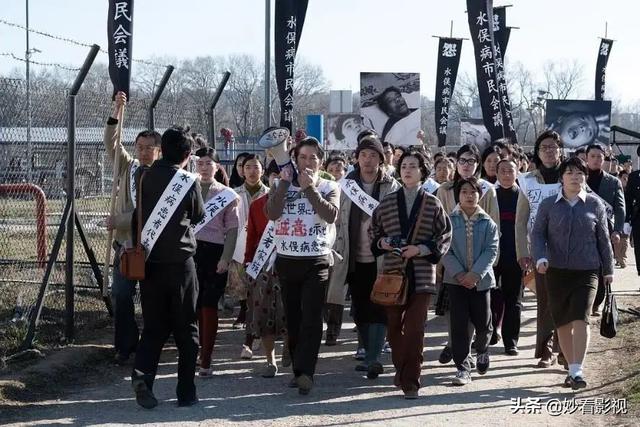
(122, 293)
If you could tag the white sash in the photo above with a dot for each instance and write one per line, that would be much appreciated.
(485, 185)
(132, 180)
(264, 251)
(430, 185)
(214, 206)
(536, 193)
(358, 196)
(165, 207)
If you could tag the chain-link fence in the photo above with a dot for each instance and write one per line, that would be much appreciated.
(33, 197)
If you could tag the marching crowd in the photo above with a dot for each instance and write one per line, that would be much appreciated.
(395, 230)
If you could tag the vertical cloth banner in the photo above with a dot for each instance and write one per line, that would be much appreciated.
(449, 50)
(500, 29)
(120, 37)
(492, 85)
(601, 67)
(289, 20)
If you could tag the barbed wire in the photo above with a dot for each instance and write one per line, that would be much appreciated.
(31, 61)
(71, 41)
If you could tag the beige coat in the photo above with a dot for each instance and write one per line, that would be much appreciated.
(523, 211)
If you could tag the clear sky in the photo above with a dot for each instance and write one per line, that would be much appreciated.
(344, 36)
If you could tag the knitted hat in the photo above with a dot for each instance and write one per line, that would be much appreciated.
(371, 142)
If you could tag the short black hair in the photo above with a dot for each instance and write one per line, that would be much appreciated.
(422, 161)
(580, 150)
(472, 181)
(547, 134)
(340, 122)
(157, 139)
(176, 144)
(335, 158)
(383, 105)
(573, 162)
(309, 142)
(208, 152)
(492, 149)
(253, 156)
(386, 144)
(594, 147)
(473, 150)
(506, 160)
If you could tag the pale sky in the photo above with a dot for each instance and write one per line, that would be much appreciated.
(344, 36)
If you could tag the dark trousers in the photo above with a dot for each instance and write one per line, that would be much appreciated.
(635, 233)
(510, 275)
(332, 314)
(406, 337)
(168, 294)
(360, 285)
(468, 305)
(304, 283)
(544, 322)
(126, 333)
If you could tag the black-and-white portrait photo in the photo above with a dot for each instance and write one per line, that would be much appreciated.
(342, 131)
(390, 105)
(579, 122)
(473, 131)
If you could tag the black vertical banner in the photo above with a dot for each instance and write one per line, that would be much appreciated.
(120, 37)
(492, 85)
(449, 50)
(500, 30)
(289, 20)
(601, 67)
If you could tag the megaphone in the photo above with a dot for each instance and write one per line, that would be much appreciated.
(274, 139)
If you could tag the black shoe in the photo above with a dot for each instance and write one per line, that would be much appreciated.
(331, 341)
(482, 361)
(374, 370)
(188, 402)
(144, 396)
(578, 382)
(567, 381)
(511, 351)
(305, 384)
(494, 339)
(445, 355)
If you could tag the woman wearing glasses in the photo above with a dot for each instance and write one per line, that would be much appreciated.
(542, 182)
(467, 165)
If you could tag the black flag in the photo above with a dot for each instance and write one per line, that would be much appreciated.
(601, 67)
(289, 21)
(120, 36)
(500, 29)
(492, 85)
(449, 50)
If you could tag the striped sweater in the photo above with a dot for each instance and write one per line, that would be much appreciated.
(433, 230)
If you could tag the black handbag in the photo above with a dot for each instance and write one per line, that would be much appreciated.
(609, 322)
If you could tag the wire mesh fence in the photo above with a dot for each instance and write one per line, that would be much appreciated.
(33, 175)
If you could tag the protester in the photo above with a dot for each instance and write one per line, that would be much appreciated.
(237, 173)
(169, 290)
(609, 189)
(467, 165)
(358, 266)
(468, 276)
(632, 220)
(398, 151)
(147, 148)
(571, 245)
(216, 241)
(490, 158)
(304, 209)
(266, 319)
(506, 306)
(414, 222)
(445, 169)
(543, 180)
(620, 250)
(581, 153)
(336, 166)
(250, 190)
(389, 157)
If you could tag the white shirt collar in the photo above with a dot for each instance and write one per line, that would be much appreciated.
(582, 195)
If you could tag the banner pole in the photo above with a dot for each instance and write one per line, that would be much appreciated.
(451, 29)
(112, 206)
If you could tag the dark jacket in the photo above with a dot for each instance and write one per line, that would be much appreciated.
(632, 197)
(177, 242)
(610, 190)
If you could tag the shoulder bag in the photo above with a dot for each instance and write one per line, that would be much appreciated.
(132, 260)
(609, 321)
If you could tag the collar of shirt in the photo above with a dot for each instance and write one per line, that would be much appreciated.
(582, 195)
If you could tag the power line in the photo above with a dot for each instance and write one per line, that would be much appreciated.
(71, 41)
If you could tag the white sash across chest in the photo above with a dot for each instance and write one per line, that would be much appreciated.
(215, 206)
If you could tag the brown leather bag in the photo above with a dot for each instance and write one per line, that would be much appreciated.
(132, 260)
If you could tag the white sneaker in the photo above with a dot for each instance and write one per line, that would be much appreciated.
(246, 353)
(256, 344)
(462, 378)
(387, 348)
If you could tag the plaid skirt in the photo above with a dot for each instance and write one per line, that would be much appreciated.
(265, 309)
(237, 281)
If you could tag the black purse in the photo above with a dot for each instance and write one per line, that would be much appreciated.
(609, 322)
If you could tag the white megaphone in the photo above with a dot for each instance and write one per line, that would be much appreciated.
(274, 140)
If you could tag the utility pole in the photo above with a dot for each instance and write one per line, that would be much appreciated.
(267, 64)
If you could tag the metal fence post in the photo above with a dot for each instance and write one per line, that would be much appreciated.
(211, 112)
(156, 96)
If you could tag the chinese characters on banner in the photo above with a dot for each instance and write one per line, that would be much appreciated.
(215, 206)
(289, 20)
(449, 50)
(500, 30)
(119, 36)
(263, 252)
(492, 84)
(601, 67)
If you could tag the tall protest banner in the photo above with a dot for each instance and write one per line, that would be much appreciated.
(120, 37)
(500, 29)
(449, 50)
(289, 20)
(601, 66)
(492, 85)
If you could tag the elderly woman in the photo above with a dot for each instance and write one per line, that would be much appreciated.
(412, 230)
(570, 245)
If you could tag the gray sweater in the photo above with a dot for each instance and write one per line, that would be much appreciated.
(573, 237)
